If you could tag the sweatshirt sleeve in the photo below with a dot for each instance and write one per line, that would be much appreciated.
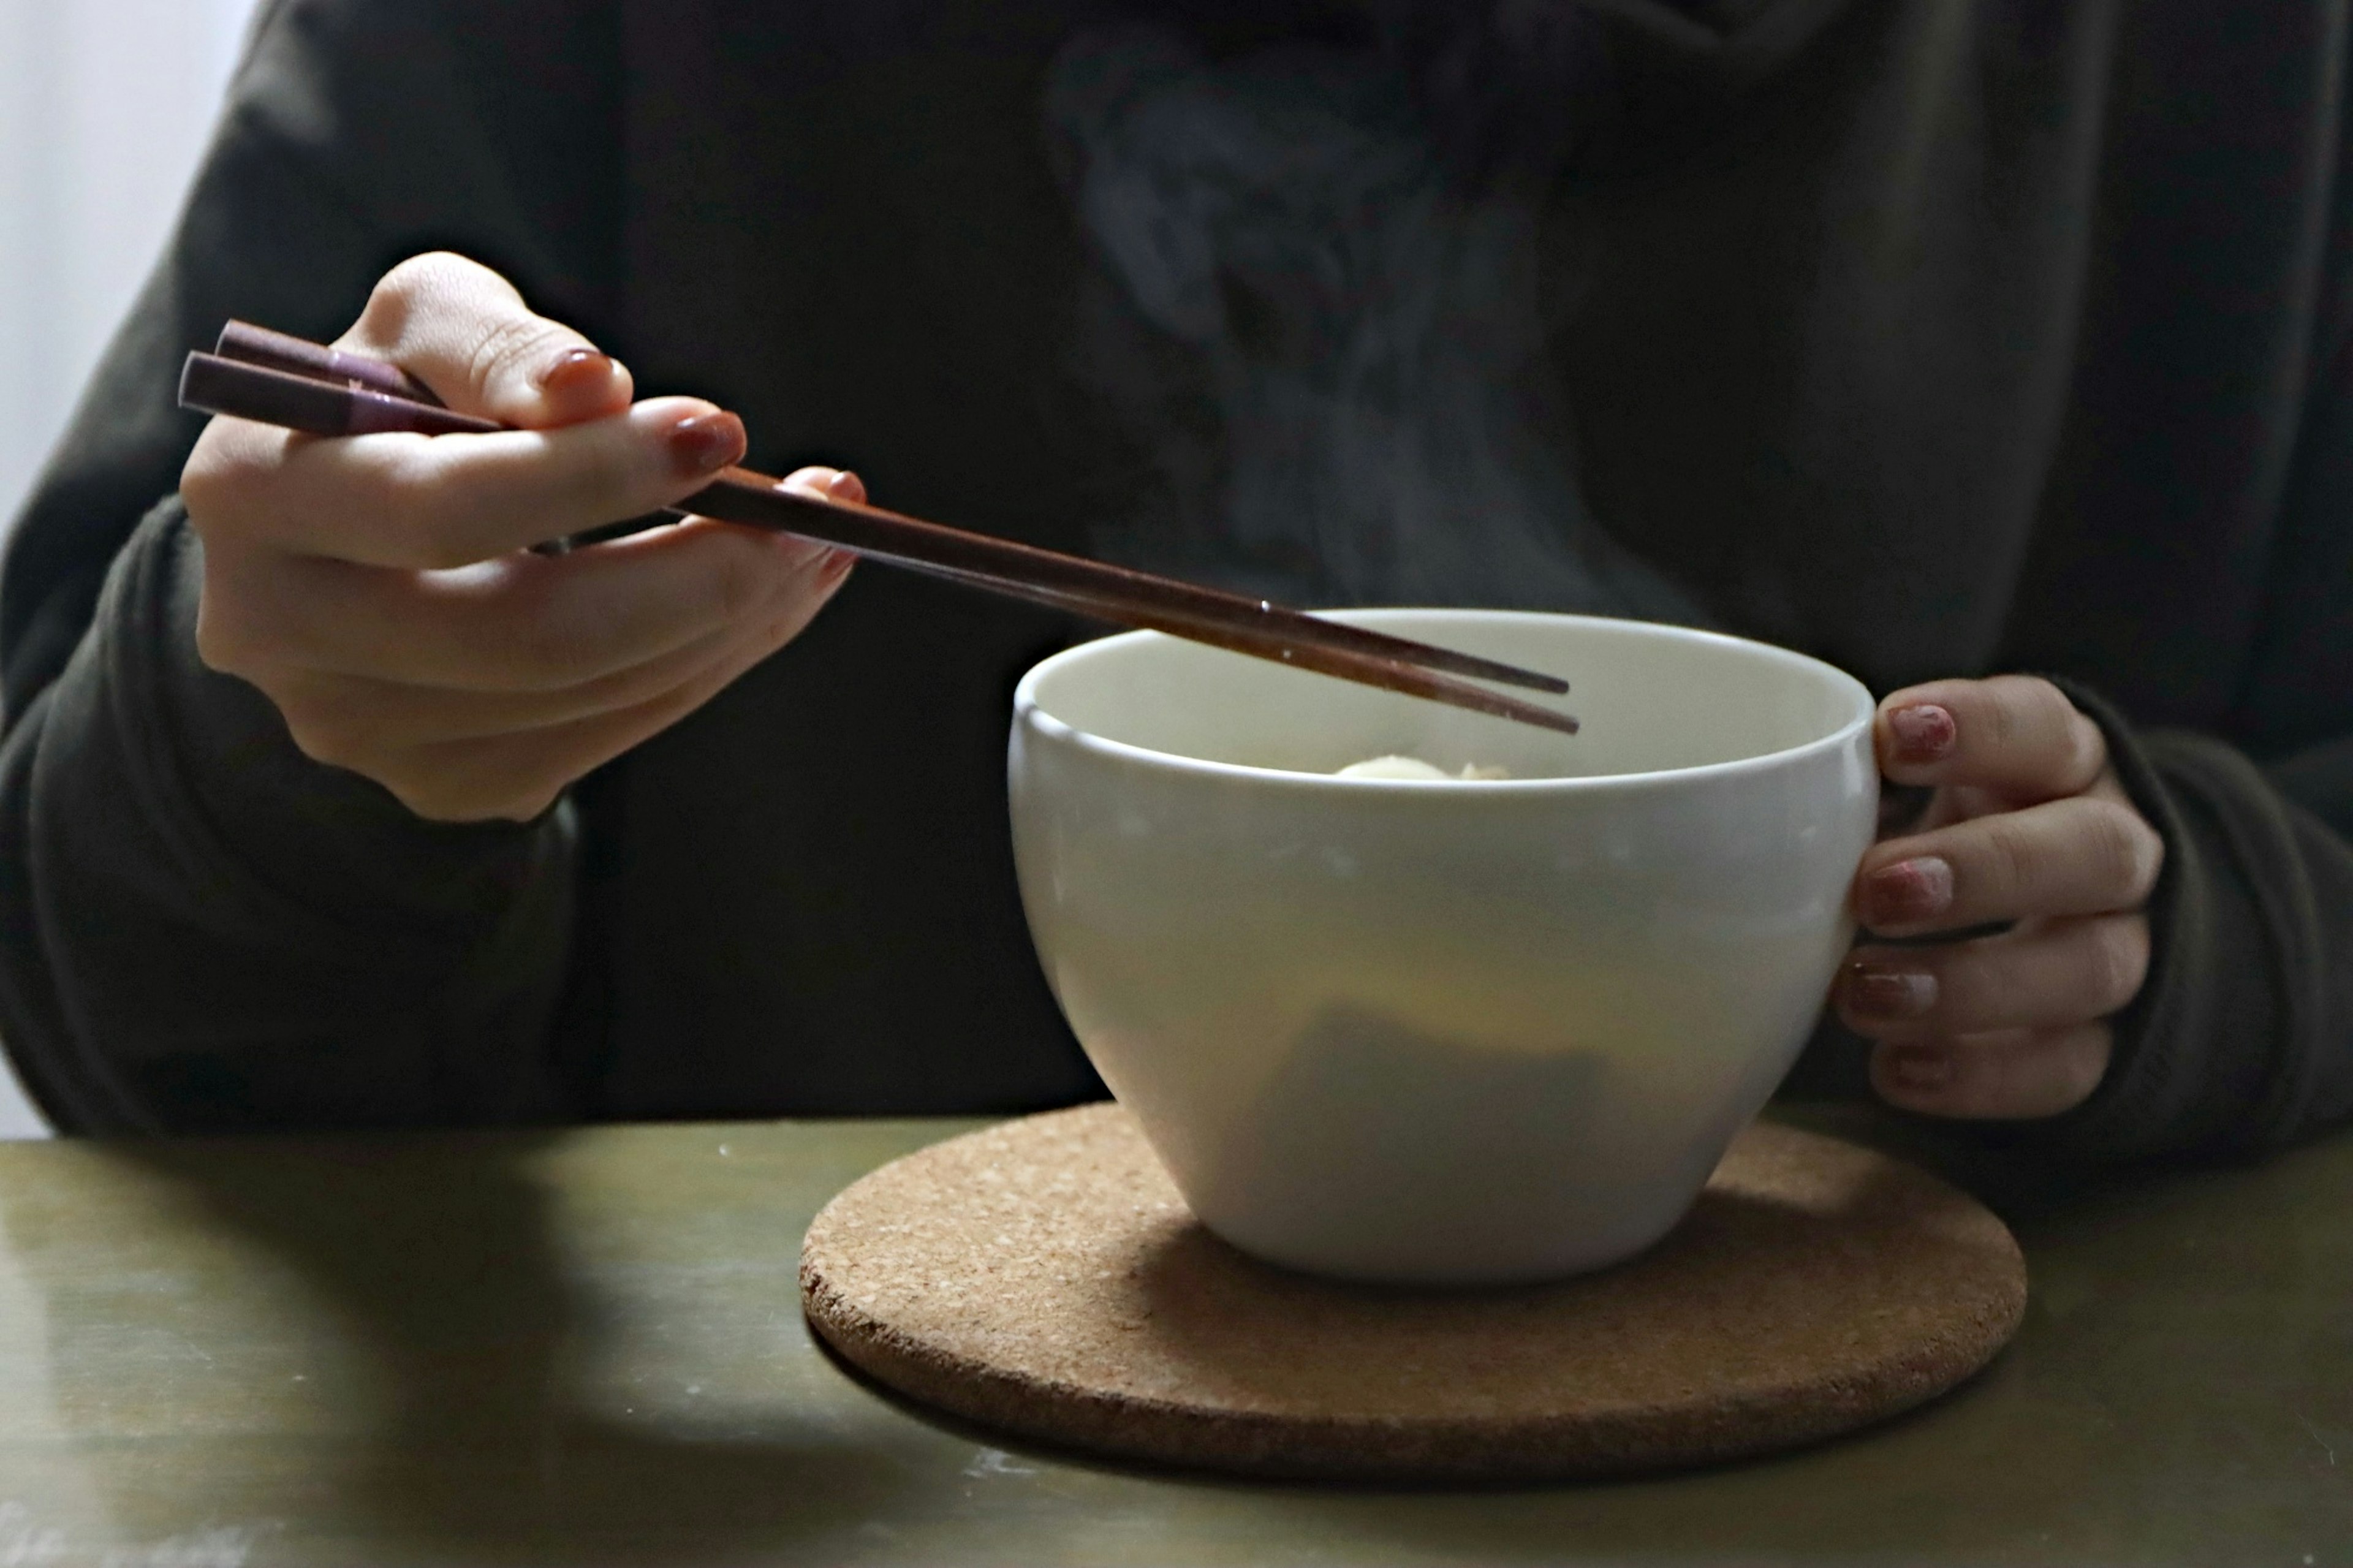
(201, 928)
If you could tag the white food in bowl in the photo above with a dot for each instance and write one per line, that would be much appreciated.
(1414, 768)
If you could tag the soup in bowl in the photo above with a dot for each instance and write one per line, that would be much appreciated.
(1442, 1030)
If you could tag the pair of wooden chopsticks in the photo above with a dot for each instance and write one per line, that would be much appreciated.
(275, 379)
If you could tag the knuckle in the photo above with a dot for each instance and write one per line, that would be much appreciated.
(2032, 699)
(220, 486)
(2088, 1063)
(738, 588)
(2002, 1079)
(221, 642)
(207, 484)
(1991, 721)
(2073, 1063)
(2116, 848)
(525, 807)
(2012, 856)
(1969, 988)
(1989, 1085)
(2045, 1073)
(418, 274)
(2034, 713)
(492, 782)
(2087, 748)
(425, 512)
(400, 292)
(543, 649)
(2118, 952)
(318, 736)
(229, 639)
(721, 584)
(425, 799)
(439, 792)
(604, 481)
(510, 343)
(2008, 709)
(2149, 854)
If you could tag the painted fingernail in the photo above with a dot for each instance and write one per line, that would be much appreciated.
(1918, 1069)
(1879, 992)
(574, 369)
(1923, 733)
(706, 443)
(1909, 891)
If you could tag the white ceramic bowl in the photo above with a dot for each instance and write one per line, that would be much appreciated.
(1443, 1033)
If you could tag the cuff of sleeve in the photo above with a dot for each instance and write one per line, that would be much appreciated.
(2200, 1051)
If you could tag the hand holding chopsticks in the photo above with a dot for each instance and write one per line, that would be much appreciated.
(274, 379)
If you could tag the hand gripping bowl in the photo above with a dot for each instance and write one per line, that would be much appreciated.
(1442, 1032)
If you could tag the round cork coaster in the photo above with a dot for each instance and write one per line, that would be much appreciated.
(1044, 1277)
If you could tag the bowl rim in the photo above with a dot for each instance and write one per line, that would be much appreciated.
(1028, 714)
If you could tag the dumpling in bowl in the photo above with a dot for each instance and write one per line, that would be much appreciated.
(1415, 768)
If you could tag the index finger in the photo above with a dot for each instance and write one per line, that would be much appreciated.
(2016, 736)
(424, 502)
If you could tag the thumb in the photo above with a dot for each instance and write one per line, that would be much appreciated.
(465, 331)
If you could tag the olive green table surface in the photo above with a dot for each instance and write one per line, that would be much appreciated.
(587, 1347)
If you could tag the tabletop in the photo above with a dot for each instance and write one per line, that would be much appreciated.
(586, 1346)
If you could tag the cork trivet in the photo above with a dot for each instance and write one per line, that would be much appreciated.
(1044, 1277)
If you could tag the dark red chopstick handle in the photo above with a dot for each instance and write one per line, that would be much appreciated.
(219, 385)
(282, 350)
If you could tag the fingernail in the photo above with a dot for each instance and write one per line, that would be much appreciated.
(1923, 733)
(1919, 1069)
(1879, 992)
(847, 485)
(835, 567)
(1909, 891)
(574, 369)
(706, 443)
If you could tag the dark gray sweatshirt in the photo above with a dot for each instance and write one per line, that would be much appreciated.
(1934, 337)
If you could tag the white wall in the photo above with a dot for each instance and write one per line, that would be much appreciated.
(104, 107)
